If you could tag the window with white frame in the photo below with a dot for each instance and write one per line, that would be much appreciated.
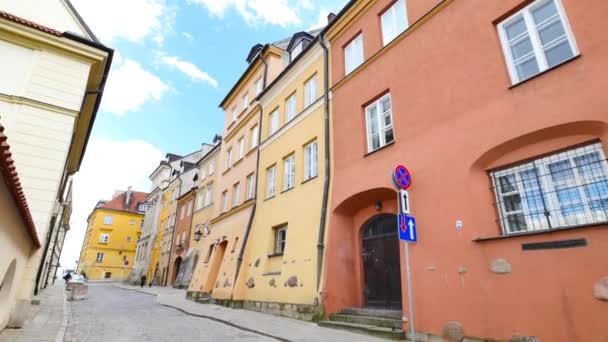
(142, 207)
(273, 122)
(245, 101)
(565, 189)
(271, 175)
(254, 135)
(107, 220)
(211, 167)
(104, 238)
(225, 201)
(182, 213)
(241, 148)
(236, 194)
(394, 21)
(250, 186)
(290, 108)
(379, 122)
(310, 160)
(536, 38)
(228, 158)
(289, 172)
(259, 86)
(99, 257)
(209, 195)
(189, 208)
(310, 91)
(297, 50)
(200, 199)
(203, 173)
(280, 239)
(353, 54)
(234, 114)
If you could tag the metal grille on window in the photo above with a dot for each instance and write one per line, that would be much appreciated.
(561, 190)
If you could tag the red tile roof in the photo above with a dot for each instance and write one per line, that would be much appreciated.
(29, 23)
(118, 203)
(11, 179)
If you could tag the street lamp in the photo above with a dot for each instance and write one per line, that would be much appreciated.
(198, 234)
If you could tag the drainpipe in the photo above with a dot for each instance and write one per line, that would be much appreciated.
(257, 175)
(321, 239)
(46, 280)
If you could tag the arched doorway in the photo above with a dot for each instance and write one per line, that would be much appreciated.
(176, 265)
(381, 265)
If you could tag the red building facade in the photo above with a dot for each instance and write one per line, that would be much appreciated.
(498, 109)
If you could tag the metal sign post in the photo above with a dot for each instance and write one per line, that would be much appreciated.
(409, 290)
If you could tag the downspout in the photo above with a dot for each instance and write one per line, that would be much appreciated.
(49, 234)
(257, 175)
(321, 239)
(46, 280)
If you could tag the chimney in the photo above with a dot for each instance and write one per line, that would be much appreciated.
(128, 196)
(330, 17)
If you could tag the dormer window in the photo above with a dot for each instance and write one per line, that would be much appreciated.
(297, 50)
(298, 43)
(142, 207)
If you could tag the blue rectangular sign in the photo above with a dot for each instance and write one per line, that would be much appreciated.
(407, 228)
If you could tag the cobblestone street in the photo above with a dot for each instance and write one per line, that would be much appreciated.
(114, 314)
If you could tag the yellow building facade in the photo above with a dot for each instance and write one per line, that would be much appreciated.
(108, 250)
(282, 261)
(154, 270)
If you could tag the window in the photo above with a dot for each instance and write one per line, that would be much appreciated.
(310, 91)
(199, 199)
(236, 194)
(280, 239)
(224, 201)
(274, 122)
(234, 113)
(536, 38)
(142, 207)
(564, 189)
(132, 222)
(310, 160)
(245, 101)
(259, 86)
(297, 50)
(378, 117)
(228, 158)
(236, 242)
(128, 239)
(394, 21)
(141, 224)
(209, 196)
(250, 186)
(241, 148)
(290, 108)
(203, 173)
(289, 169)
(189, 208)
(107, 220)
(99, 257)
(353, 54)
(254, 136)
(211, 167)
(271, 174)
(104, 238)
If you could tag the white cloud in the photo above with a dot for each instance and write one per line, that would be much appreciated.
(188, 36)
(321, 20)
(190, 70)
(129, 86)
(108, 166)
(132, 20)
(274, 12)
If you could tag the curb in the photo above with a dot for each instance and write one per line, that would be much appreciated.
(60, 337)
(211, 318)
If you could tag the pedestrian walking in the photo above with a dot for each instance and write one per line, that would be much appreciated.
(142, 280)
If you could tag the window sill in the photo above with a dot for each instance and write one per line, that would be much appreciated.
(251, 151)
(379, 149)
(286, 190)
(237, 162)
(309, 179)
(226, 171)
(545, 71)
(271, 273)
(269, 198)
(275, 255)
(539, 232)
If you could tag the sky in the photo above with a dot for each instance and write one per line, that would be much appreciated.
(174, 62)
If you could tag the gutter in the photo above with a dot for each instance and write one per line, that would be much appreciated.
(257, 177)
(326, 183)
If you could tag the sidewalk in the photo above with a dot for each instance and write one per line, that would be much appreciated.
(280, 328)
(46, 322)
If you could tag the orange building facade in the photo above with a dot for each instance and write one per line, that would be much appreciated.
(498, 109)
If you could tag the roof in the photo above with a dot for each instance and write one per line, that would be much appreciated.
(11, 179)
(119, 202)
(29, 23)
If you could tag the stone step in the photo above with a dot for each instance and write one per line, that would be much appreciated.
(367, 320)
(203, 300)
(371, 330)
(369, 312)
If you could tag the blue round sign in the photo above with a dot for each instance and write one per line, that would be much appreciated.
(402, 177)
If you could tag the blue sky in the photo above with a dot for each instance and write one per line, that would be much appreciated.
(175, 61)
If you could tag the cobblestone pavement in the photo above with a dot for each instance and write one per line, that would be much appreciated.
(286, 329)
(114, 314)
(44, 322)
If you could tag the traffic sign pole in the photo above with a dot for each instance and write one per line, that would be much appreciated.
(409, 290)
